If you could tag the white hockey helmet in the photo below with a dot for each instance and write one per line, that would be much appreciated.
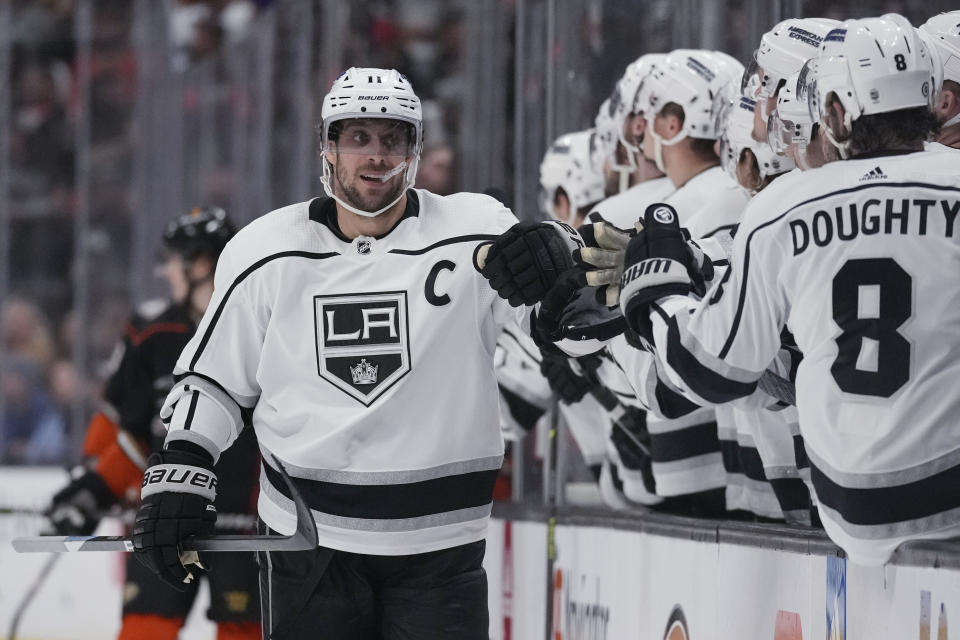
(360, 93)
(567, 165)
(941, 34)
(611, 119)
(739, 134)
(627, 92)
(729, 99)
(872, 65)
(782, 52)
(790, 123)
(693, 79)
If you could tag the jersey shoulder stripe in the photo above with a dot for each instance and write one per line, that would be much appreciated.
(239, 280)
(443, 243)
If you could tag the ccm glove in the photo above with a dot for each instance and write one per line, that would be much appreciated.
(76, 509)
(658, 262)
(527, 259)
(177, 493)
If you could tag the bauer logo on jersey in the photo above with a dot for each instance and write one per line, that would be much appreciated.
(362, 342)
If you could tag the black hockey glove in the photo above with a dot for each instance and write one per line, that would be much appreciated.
(527, 259)
(658, 262)
(177, 493)
(76, 509)
(631, 439)
(568, 385)
(548, 323)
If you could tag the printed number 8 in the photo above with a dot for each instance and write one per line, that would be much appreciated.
(901, 62)
(895, 291)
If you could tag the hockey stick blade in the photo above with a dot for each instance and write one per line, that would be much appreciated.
(303, 538)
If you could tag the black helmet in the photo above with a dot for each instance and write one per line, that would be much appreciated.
(203, 231)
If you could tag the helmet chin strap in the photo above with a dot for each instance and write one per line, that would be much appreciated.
(411, 168)
(659, 143)
(952, 121)
(842, 146)
(800, 155)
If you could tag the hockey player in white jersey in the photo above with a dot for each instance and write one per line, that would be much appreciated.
(782, 51)
(790, 132)
(686, 93)
(856, 259)
(570, 186)
(355, 337)
(941, 33)
(755, 164)
(763, 452)
(621, 126)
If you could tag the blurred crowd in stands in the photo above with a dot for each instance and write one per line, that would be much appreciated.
(41, 387)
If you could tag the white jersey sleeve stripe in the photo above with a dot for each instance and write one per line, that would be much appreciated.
(704, 381)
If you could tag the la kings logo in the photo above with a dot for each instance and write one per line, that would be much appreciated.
(363, 344)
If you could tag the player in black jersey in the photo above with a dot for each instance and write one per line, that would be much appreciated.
(126, 429)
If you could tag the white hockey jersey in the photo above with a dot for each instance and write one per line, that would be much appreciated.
(708, 202)
(525, 395)
(858, 259)
(624, 209)
(685, 450)
(365, 367)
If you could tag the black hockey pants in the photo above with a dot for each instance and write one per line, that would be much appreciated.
(335, 595)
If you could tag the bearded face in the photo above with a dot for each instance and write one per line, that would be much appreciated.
(369, 159)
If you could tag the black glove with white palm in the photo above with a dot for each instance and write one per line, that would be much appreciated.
(602, 258)
(659, 261)
(177, 495)
(525, 262)
(76, 510)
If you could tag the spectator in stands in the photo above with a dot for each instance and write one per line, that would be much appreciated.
(33, 429)
(437, 170)
(25, 333)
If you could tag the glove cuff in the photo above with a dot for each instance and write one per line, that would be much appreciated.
(179, 478)
(184, 468)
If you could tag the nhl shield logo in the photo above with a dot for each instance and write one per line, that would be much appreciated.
(363, 345)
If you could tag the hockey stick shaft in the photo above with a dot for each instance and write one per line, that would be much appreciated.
(303, 538)
(235, 521)
(609, 401)
(28, 597)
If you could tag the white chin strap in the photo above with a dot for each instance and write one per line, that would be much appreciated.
(842, 146)
(952, 121)
(659, 143)
(800, 156)
(411, 167)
